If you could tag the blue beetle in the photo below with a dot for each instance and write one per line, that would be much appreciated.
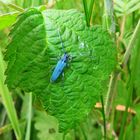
(61, 64)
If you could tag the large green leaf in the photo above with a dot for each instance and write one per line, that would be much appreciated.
(35, 49)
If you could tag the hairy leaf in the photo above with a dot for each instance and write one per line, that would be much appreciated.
(35, 49)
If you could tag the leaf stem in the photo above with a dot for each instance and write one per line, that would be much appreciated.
(29, 117)
(83, 132)
(126, 112)
(120, 38)
(104, 117)
(111, 93)
(109, 16)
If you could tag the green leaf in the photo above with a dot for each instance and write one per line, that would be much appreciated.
(126, 7)
(121, 93)
(47, 127)
(132, 6)
(132, 130)
(36, 48)
(7, 20)
(7, 100)
(135, 66)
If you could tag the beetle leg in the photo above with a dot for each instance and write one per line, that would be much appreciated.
(52, 69)
(62, 84)
(63, 76)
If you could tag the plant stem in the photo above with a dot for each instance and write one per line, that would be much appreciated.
(111, 93)
(126, 112)
(113, 81)
(120, 38)
(63, 137)
(104, 117)
(112, 86)
(133, 127)
(15, 7)
(130, 86)
(83, 132)
(5, 128)
(8, 127)
(29, 117)
(109, 16)
(123, 26)
(7, 101)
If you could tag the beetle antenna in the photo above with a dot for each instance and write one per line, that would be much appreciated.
(61, 41)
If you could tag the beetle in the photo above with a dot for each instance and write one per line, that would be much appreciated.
(63, 61)
(61, 64)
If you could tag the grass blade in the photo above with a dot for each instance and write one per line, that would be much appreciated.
(91, 9)
(7, 101)
(109, 21)
(86, 12)
(13, 6)
(131, 44)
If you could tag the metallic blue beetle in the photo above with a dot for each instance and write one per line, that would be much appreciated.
(61, 64)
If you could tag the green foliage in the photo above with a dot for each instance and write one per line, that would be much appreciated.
(132, 131)
(126, 7)
(31, 35)
(7, 100)
(135, 65)
(47, 127)
(7, 20)
(121, 90)
(31, 61)
(88, 11)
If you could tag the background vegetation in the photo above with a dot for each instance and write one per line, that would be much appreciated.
(120, 116)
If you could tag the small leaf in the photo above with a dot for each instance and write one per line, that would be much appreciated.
(6, 20)
(47, 127)
(35, 49)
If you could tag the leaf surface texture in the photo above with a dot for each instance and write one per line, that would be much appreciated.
(35, 49)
